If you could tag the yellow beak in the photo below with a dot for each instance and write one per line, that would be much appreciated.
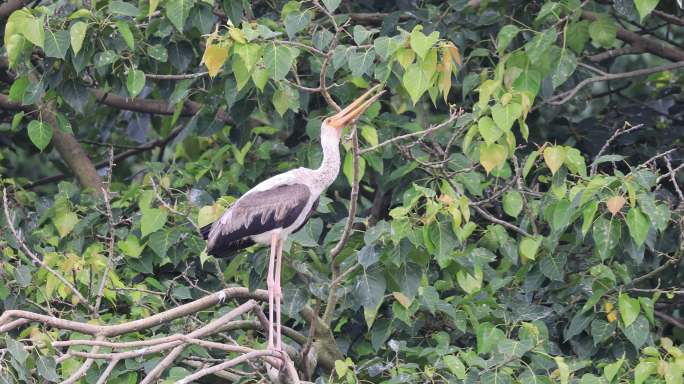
(355, 109)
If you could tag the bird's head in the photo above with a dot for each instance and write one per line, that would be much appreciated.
(334, 124)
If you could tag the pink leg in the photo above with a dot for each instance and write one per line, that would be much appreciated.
(278, 293)
(270, 283)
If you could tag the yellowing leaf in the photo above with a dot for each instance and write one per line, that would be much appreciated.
(615, 203)
(611, 316)
(402, 299)
(492, 156)
(554, 157)
(454, 53)
(214, 57)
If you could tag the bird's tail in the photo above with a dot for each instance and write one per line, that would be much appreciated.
(225, 249)
(205, 231)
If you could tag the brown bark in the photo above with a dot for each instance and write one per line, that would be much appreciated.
(10, 6)
(655, 47)
(72, 153)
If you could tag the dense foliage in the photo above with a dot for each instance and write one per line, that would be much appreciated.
(508, 212)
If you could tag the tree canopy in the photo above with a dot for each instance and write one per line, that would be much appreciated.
(509, 211)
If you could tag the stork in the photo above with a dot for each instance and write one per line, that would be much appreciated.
(281, 205)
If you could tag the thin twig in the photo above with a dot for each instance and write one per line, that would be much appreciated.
(112, 234)
(674, 180)
(184, 76)
(453, 116)
(566, 96)
(626, 128)
(353, 201)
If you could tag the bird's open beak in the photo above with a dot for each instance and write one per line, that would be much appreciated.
(355, 109)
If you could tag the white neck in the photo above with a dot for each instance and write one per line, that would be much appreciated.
(330, 166)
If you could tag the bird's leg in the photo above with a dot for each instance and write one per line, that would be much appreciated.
(270, 283)
(278, 292)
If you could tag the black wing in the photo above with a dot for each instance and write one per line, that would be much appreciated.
(256, 213)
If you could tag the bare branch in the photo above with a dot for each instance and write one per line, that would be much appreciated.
(212, 327)
(655, 47)
(626, 128)
(453, 116)
(230, 363)
(566, 96)
(353, 200)
(184, 76)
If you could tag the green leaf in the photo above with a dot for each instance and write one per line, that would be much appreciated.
(158, 53)
(47, 368)
(14, 45)
(506, 34)
(606, 234)
(537, 47)
(603, 31)
(513, 203)
(16, 349)
(16, 120)
(130, 247)
(601, 330)
(386, 46)
(153, 7)
(629, 309)
(420, 43)
(332, 5)
(415, 82)
(455, 365)
(24, 23)
(123, 8)
(578, 324)
(638, 225)
(645, 7)
(529, 246)
(126, 34)
(588, 214)
(348, 167)
(105, 58)
(296, 22)
(361, 34)
(562, 213)
(161, 241)
(470, 283)
(177, 11)
(648, 308)
(563, 68)
(575, 161)
(370, 134)
(153, 219)
(554, 156)
(529, 163)
(340, 366)
(279, 60)
(577, 35)
(56, 44)
(553, 266)
(492, 156)
(505, 116)
(489, 131)
(65, 221)
(135, 82)
(360, 62)
(77, 34)
(249, 53)
(611, 370)
(637, 333)
(40, 134)
(643, 371)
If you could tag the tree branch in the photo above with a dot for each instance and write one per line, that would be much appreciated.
(649, 45)
(566, 96)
